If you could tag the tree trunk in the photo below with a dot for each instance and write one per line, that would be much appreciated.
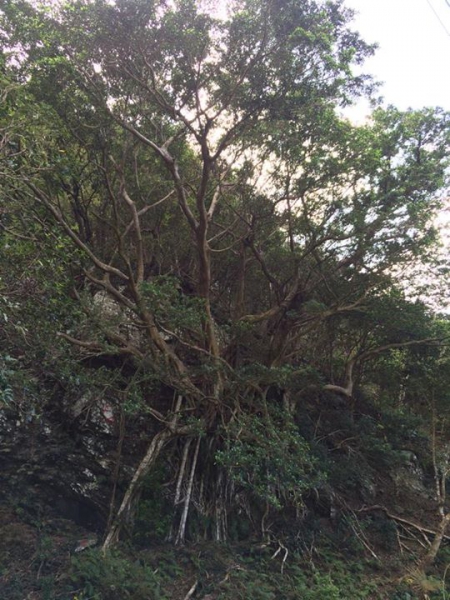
(440, 483)
(429, 558)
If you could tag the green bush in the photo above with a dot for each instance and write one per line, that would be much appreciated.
(266, 455)
(260, 577)
(154, 511)
(114, 577)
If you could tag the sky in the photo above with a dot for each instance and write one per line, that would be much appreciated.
(413, 58)
(413, 61)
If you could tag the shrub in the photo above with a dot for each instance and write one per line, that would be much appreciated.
(115, 577)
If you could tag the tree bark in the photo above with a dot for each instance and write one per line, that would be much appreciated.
(430, 556)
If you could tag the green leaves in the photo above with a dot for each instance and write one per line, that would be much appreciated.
(177, 311)
(266, 455)
(234, 235)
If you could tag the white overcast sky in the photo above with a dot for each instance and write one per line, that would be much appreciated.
(413, 61)
(413, 58)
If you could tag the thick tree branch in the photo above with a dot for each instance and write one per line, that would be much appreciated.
(359, 357)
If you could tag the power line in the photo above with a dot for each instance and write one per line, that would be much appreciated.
(439, 18)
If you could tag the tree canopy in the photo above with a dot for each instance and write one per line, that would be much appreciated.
(182, 203)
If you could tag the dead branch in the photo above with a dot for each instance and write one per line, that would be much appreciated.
(402, 520)
(191, 590)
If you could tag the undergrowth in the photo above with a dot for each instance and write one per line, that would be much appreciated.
(226, 573)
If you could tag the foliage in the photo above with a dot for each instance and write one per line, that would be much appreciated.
(114, 577)
(267, 456)
(173, 309)
(189, 226)
(336, 579)
(153, 512)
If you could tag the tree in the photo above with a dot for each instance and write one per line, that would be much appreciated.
(199, 167)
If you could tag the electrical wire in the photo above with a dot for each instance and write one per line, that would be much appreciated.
(439, 18)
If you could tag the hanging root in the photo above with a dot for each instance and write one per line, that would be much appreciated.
(187, 501)
(281, 547)
(180, 478)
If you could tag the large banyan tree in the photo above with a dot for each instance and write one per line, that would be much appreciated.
(234, 238)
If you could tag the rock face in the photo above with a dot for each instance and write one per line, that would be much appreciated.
(85, 543)
(44, 463)
(116, 318)
(409, 475)
(65, 455)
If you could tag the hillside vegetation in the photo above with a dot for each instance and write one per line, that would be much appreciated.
(224, 362)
